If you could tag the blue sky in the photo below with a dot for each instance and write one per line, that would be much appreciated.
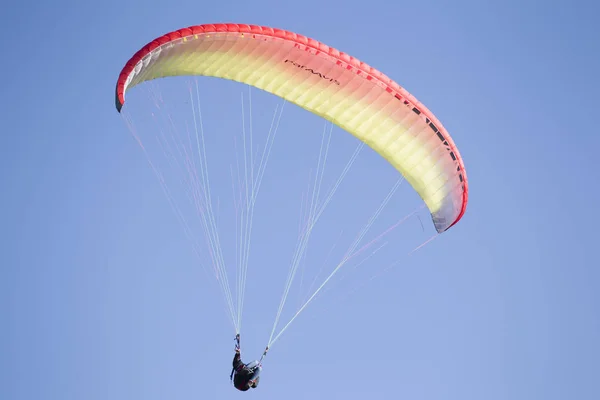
(100, 293)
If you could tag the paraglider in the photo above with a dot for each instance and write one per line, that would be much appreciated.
(326, 82)
(244, 376)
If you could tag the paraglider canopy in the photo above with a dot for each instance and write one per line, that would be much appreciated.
(324, 81)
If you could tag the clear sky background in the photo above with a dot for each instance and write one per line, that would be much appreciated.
(101, 296)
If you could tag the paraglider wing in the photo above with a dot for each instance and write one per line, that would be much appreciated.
(326, 82)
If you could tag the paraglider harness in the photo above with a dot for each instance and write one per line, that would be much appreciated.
(253, 366)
